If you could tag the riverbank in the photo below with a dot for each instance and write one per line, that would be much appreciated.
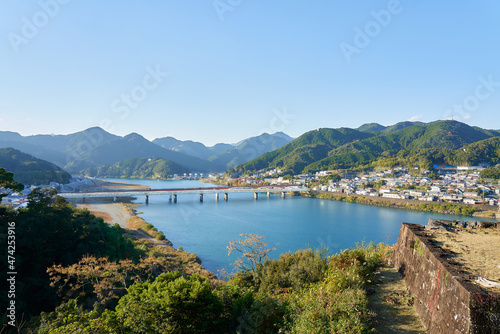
(122, 213)
(145, 234)
(480, 211)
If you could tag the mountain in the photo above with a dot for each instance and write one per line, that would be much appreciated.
(311, 146)
(346, 148)
(29, 170)
(227, 155)
(58, 149)
(143, 168)
(136, 146)
(188, 147)
(251, 148)
(371, 127)
(400, 125)
(375, 127)
(95, 147)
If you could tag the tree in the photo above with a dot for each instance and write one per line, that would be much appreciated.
(171, 304)
(104, 280)
(253, 250)
(7, 182)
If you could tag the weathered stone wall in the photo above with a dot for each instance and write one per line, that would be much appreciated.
(444, 299)
(440, 299)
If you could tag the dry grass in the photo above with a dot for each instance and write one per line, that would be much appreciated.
(137, 223)
(393, 305)
(476, 250)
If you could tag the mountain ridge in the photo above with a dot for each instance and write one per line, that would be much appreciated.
(95, 147)
(30, 170)
(310, 152)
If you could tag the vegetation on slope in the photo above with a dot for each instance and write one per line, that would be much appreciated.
(85, 276)
(30, 170)
(311, 146)
(143, 168)
(491, 173)
(419, 144)
(49, 231)
(301, 292)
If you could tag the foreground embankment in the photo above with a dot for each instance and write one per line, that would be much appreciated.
(121, 213)
(483, 211)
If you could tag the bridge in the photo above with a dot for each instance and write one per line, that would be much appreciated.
(283, 189)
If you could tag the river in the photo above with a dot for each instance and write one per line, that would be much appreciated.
(288, 224)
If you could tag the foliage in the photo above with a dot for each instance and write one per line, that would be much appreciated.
(491, 173)
(7, 182)
(319, 311)
(253, 250)
(69, 318)
(105, 287)
(321, 295)
(338, 304)
(30, 170)
(153, 168)
(404, 144)
(101, 280)
(292, 271)
(49, 231)
(170, 304)
(311, 146)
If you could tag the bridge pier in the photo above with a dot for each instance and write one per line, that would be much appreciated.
(201, 197)
(175, 198)
(147, 199)
(226, 197)
(255, 196)
(268, 194)
(170, 198)
(283, 194)
(216, 197)
(83, 200)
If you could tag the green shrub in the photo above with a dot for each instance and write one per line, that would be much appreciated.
(160, 236)
(292, 271)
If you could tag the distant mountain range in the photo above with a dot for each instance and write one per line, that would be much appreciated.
(29, 170)
(139, 168)
(94, 149)
(96, 152)
(410, 143)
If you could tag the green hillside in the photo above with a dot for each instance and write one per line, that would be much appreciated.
(29, 170)
(143, 168)
(406, 142)
(311, 146)
(371, 127)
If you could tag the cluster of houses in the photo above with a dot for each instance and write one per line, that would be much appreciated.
(453, 186)
(18, 199)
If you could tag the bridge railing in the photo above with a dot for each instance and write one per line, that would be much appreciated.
(133, 193)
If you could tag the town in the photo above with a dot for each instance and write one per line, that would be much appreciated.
(444, 184)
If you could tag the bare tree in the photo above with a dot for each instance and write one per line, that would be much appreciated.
(253, 250)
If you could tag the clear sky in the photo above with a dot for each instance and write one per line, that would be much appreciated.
(224, 70)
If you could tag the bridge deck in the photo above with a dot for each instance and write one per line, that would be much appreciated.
(210, 190)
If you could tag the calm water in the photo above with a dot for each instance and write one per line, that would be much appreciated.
(290, 224)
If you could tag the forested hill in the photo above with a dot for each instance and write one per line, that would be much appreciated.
(154, 168)
(30, 170)
(406, 143)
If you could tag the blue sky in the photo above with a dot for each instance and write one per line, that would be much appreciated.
(224, 70)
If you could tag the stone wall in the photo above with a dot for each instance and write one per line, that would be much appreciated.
(444, 300)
